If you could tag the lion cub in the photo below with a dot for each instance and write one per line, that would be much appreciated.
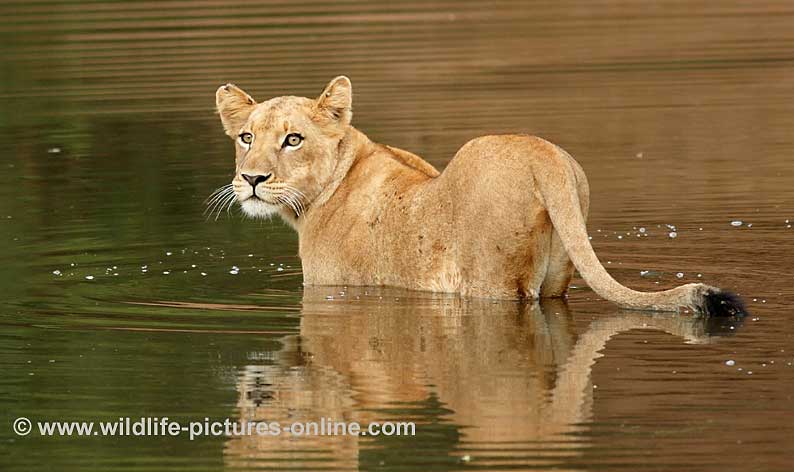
(369, 214)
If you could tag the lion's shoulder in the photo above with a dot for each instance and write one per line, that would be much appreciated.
(411, 160)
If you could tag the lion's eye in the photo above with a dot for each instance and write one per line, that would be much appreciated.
(292, 140)
(246, 138)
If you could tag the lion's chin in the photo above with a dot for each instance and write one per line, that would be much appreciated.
(256, 208)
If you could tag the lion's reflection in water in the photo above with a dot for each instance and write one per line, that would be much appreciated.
(513, 379)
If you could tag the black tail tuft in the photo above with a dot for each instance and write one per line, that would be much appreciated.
(720, 303)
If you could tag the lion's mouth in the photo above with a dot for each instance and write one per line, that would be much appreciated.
(267, 201)
(261, 199)
(253, 197)
(256, 206)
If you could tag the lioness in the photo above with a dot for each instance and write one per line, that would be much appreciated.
(506, 218)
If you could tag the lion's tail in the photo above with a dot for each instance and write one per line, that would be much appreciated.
(558, 190)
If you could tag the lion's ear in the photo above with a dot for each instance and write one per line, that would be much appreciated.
(336, 101)
(234, 106)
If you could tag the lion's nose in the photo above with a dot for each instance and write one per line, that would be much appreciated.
(255, 179)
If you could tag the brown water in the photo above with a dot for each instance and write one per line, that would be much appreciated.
(680, 112)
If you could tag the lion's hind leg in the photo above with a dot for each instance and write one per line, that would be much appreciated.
(559, 272)
(560, 269)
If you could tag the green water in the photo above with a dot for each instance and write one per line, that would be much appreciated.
(118, 297)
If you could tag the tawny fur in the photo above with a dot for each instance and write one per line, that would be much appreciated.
(506, 218)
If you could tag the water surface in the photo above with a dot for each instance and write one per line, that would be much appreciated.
(118, 298)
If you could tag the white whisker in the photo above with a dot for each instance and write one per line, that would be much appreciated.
(296, 204)
(231, 204)
(227, 201)
(286, 198)
(228, 205)
(296, 197)
(217, 199)
(210, 211)
(220, 190)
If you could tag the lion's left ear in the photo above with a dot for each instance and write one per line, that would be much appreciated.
(234, 106)
(336, 101)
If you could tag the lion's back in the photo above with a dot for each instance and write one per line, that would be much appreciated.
(501, 169)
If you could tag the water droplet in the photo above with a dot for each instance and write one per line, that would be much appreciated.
(730, 362)
(680, 275)
(89, 277)
(672, 235)
(56, 272)
(736, 223)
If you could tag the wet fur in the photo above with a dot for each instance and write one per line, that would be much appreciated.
(723, 303)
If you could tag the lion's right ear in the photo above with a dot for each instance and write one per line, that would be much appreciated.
(234, 106)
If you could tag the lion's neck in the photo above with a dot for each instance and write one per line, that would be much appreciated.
(354, 145)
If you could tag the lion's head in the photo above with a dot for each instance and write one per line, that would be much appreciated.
(286, 147)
